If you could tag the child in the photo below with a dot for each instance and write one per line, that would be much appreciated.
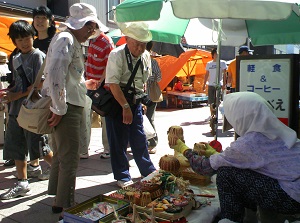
(44, 26)
(18, 142)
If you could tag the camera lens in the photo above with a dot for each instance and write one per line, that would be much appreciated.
(146, 101)
(3, 78)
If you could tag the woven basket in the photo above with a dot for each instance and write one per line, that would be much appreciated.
(169, 163)
(194, 178)
(154, 190)
(174, 133)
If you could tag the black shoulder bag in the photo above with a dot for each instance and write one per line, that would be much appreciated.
(103, 101)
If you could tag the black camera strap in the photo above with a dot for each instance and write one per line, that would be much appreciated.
(130, 67)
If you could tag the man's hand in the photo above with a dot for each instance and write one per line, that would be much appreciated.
(92, 84)
(8, 96)
(127, 116)
(54, 120)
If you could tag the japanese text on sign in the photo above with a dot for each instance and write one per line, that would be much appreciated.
(269, 78)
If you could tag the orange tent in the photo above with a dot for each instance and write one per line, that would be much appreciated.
(191, 62)
(6, 44)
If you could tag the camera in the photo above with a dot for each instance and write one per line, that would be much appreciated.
(8, 78)
(146, 100)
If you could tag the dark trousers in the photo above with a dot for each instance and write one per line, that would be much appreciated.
(119, 135)
(241, 188)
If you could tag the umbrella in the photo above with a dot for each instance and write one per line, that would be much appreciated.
(117, 37)
(235, 31)
(196, 64)
(158, 47)
(191, 62)
(167, 49)
(240, 10)
(238, 22)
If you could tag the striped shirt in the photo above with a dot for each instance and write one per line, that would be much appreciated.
(98, 52)
(155, 75)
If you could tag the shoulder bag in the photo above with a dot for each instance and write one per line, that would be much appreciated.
(35, 110)
(103, 101)
(155, 94)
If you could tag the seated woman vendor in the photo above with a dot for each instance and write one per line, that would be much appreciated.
(260, 169)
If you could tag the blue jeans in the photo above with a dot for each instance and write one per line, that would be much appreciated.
(119, 135)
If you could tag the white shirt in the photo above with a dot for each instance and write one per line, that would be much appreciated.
(211, 66)
(64, 81)
(117, 71)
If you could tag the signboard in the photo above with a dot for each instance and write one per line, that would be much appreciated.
(275, 78)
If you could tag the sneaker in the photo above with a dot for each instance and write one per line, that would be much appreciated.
(84, 156)
(45, 175)
(9, 163)
(104, 155)
(208, 119)
(16, 191)
(33, 172)
(123, 184)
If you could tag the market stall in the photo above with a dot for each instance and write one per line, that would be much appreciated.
(174, 193)
(200, 206)
(189, 99)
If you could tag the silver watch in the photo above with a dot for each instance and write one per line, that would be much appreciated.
(125, 106)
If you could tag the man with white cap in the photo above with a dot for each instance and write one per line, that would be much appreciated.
(126, 125)
(65, 84)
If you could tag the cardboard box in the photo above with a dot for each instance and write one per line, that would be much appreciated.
(71, 215)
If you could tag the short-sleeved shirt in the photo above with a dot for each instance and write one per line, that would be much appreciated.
(117, 71)
(31, 63)
(42, 44)
(64, 70)
(232, 70)
(155, 74)
(211, 66)
(97, 57)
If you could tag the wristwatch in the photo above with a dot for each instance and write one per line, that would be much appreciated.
(125, 106)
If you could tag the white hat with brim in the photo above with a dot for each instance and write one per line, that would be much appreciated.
(80, 14)
(136, 30)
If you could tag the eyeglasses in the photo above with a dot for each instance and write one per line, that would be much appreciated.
(91, 30)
